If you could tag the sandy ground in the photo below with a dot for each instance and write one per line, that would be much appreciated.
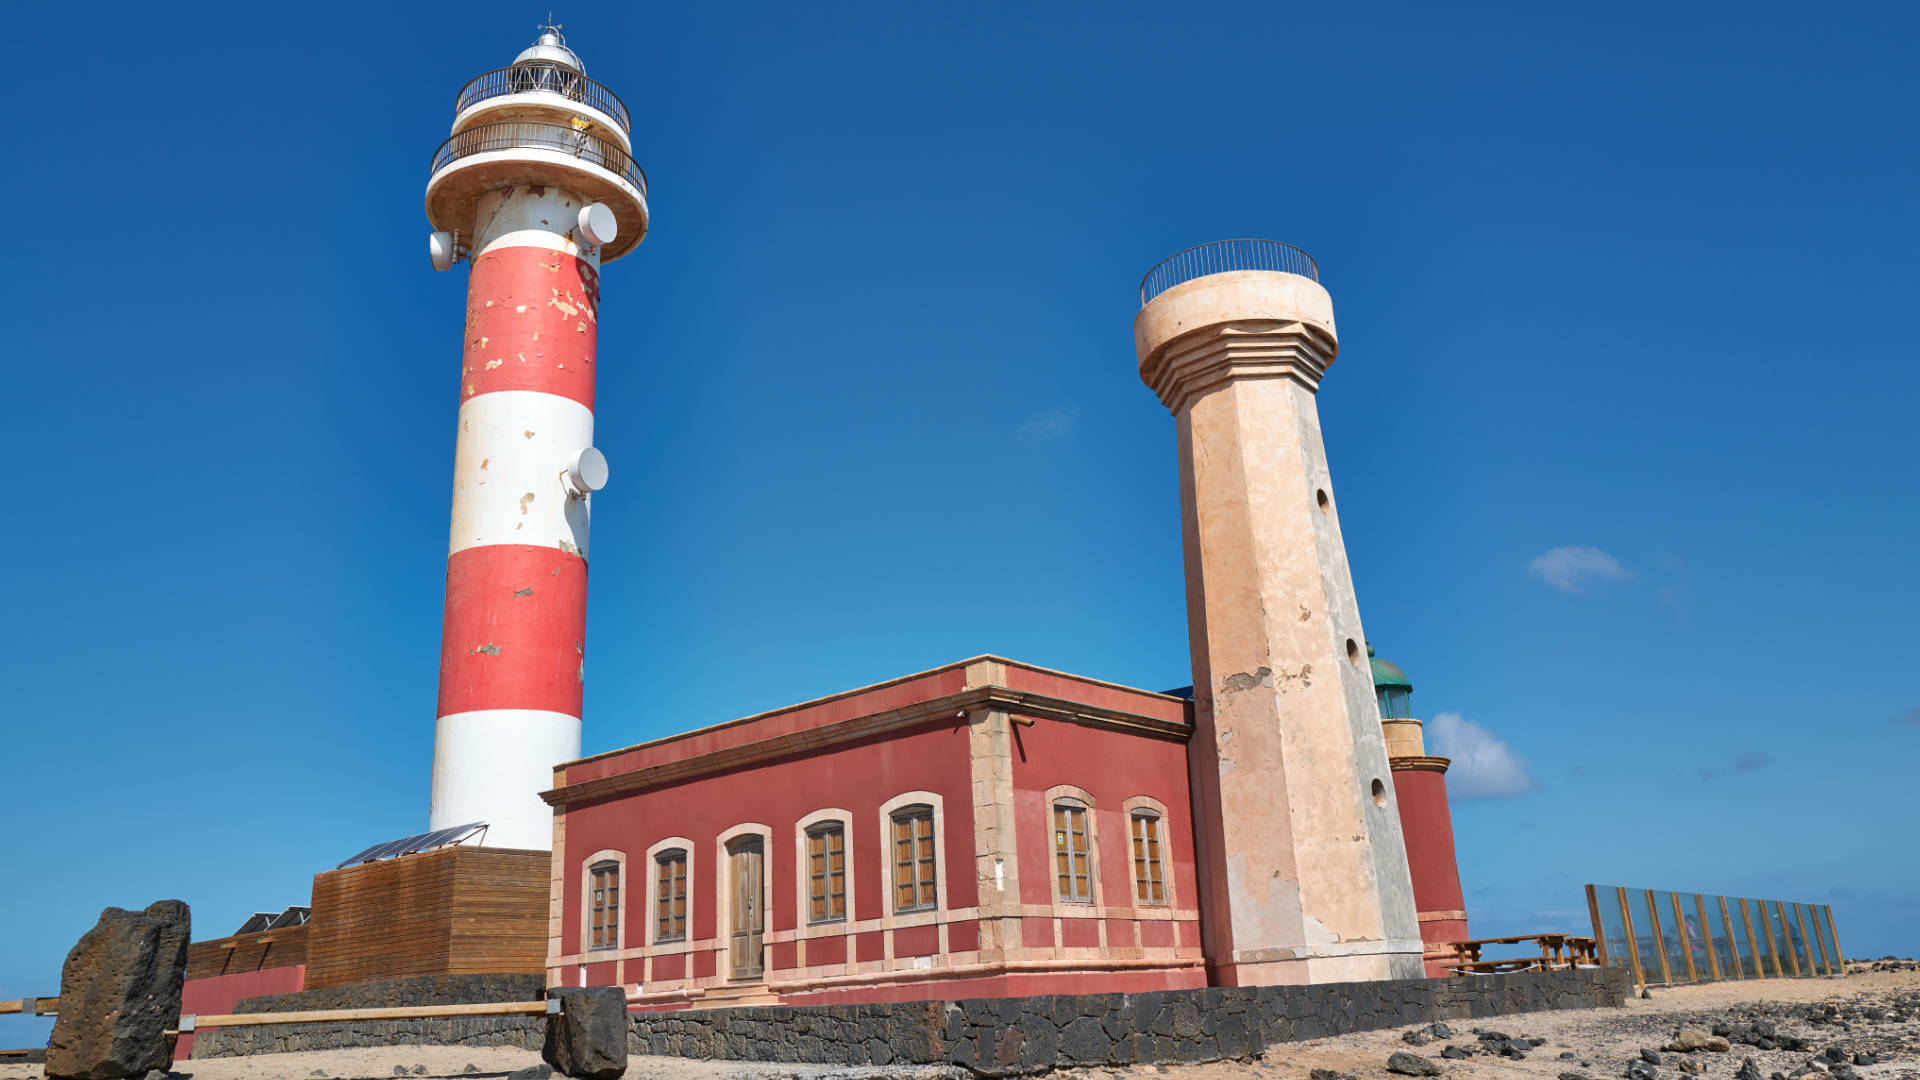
(1595, 1043)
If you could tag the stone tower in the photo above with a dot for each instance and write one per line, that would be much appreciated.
(1303, 867)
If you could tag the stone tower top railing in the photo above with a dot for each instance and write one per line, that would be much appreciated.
(1221, 256)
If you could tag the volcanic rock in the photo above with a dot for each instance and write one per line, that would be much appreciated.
(588, 1037)
(1411, 1065)
(120, 994)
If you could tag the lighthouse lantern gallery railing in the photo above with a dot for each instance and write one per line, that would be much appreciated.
(535, 135)
(1673, 937)
(544, 77)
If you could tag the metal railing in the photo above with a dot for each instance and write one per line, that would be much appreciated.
(531, 134)
(1222, 256)
(544, 77)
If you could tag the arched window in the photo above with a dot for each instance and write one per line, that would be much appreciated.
(1149, 869)
(914, 887)
(827, 872)
(1072, 852)
(604, 905)
(670, 895)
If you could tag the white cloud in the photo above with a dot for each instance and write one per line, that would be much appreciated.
(1052, 424)
(1570, 568)
(1484, 766)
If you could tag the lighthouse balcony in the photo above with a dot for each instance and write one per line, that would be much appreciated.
(540, 90)
(1223, 257)
(486, 157)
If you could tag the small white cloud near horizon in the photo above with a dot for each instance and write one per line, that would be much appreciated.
(1484, 766)
(1572, 567)
(1050, 425)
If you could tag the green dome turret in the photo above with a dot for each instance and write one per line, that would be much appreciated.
(1390, 685)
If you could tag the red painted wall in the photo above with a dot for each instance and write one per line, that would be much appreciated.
(857, 777)
(220, 993)
(1112, 767)
(1428, 826)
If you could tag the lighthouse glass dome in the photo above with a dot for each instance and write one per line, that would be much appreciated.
(1391, 688)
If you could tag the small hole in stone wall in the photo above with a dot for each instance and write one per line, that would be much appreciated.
(1353, 651)
(1326, 504)
(1379, 793)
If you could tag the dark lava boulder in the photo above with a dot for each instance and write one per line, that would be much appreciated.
(120, 995)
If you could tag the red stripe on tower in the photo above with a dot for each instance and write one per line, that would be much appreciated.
(514, 634)
(532, 321)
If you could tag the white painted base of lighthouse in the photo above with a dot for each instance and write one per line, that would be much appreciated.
(491, 764)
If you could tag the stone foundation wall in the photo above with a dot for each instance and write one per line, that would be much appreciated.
(1012, 1036)
(523, 1031)
(990, 1037)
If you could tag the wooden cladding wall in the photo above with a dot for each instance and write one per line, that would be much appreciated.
(456, 911)
(285, 947)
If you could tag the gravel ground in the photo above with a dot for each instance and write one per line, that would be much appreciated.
(1785, 1026)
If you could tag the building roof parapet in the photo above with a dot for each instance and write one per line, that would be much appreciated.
(955, 672)
(955, 705)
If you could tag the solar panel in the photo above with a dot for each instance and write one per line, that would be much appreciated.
(408, 845)
(255, 923)
(293, 916)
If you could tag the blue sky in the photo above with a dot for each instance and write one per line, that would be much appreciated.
(1620, 426)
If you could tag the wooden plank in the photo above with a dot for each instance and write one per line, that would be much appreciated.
(1686, 939)
(1753, 940)
(1835, 931)
(411, 1012)
(1773, 945)
(284, 947)
(1793, 954)
(1706, 930)
(1599, 932)
(1733, 940)
(1819, 936)
(452, 911)
(1633, 945)
(1814, 959)
(1659, 938)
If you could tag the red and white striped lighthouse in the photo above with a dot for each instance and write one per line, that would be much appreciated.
(537, 189)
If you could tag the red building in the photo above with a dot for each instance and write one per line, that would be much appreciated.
(987, 828)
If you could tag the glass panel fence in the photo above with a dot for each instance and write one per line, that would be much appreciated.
(1742, 940)
(1790, 938)
(1822, 950)
(1647, 936)
(1679, 963)
(1669, 937)
(1612, 929)
(1721, 942)
(1810, 959)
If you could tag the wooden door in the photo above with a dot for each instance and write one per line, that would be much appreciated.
(745, 863)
